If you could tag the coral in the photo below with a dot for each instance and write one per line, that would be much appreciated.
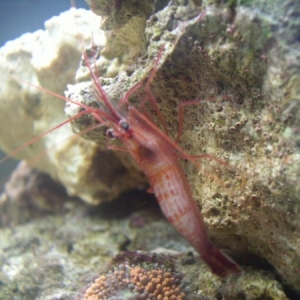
(138, 275)
(135, 282)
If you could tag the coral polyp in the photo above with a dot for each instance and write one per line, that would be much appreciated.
(136, 282)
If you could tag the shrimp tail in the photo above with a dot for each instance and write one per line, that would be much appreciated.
(219, 263)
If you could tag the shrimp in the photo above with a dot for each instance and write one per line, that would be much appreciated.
(158, 159)
(157, 155)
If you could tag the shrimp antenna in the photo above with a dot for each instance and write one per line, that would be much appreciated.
(101, 95)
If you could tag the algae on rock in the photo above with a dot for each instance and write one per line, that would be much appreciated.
(59, 256)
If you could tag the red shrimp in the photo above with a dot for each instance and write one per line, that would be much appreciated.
(157, 156)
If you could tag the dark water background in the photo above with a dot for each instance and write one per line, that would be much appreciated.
(21, 16)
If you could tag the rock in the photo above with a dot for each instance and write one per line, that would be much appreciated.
(29, 194)
(60, 256)
(243, 65)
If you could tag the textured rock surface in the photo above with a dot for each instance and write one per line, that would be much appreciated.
(60, 255)
(244, 62)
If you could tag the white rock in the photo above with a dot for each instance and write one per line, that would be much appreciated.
(49, 58)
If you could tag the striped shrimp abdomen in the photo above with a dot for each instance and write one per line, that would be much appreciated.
(174, 196)
(173, 193)
(157, 157)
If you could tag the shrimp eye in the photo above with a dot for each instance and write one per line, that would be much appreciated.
(124, 125)
(110, 134)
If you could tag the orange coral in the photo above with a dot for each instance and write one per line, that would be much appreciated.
(134, 283)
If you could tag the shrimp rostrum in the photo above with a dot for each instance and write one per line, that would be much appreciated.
(157, 155)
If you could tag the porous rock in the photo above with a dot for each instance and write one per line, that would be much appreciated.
(242, 63)
(60, 256)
